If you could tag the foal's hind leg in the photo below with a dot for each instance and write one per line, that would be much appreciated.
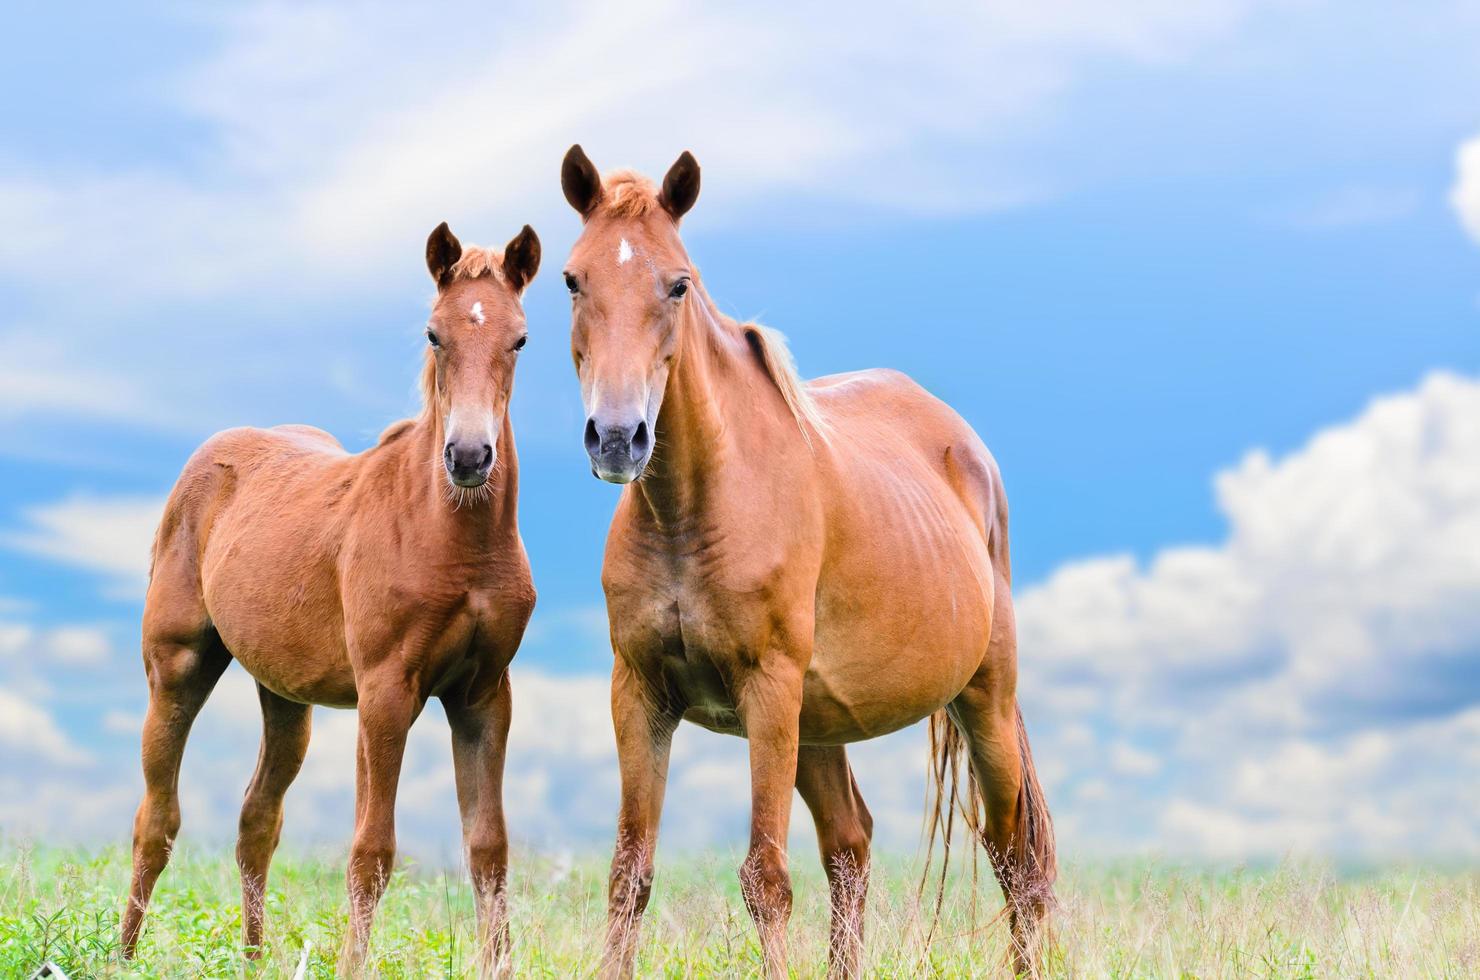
(285, 731)
(479, 717)
(844, 829)
(1017, 832)
(182, 673)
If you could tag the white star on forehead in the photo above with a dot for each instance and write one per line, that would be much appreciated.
(477, 312)
(624, 253)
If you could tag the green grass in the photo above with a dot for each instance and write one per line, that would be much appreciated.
(1135, 919)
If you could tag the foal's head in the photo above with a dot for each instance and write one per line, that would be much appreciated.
(629, 280)
(475, 333)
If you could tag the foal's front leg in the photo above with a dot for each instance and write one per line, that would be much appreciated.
(387, 708)
(769, 707)
(479, 717)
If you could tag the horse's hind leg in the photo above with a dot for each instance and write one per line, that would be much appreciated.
(844, 829)
(1017, 831)
(285, 730)
(182, 672)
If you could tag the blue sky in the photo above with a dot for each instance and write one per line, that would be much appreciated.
(1164, 257)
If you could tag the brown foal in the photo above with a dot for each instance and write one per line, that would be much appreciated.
(801, 564)
(375, 581)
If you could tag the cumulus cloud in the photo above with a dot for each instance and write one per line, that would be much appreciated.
(1465, 195)
(1330, 643)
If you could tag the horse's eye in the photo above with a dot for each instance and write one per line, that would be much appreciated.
(519, 344)
(432, 339)
(571, 284)
(679, 288)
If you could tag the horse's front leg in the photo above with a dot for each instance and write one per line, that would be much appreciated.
(387, 706)
(644, 727)
(479, 716)
(769, 706)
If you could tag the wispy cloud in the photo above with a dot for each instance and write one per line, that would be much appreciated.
(1350, 206)
(110, 536)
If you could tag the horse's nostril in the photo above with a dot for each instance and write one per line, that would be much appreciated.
(487, 456)
(593, 440)
(447, 454)
(640, 439)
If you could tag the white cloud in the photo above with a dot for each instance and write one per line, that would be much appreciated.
(112, 536)
(1465, 195)
(1332, 638)
(78, 646)
(28, 731)
(1351, 206)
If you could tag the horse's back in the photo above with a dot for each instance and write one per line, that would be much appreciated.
(883, 414)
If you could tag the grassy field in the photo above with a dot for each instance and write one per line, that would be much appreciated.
(1126, 920)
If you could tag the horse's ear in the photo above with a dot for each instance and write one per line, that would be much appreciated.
(522, 258)
(443, 251)
(681, 186)
(580, 181)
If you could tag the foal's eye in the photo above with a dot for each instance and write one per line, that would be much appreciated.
(571, 284)
(679, 288)
(519, 344)
(432, 339)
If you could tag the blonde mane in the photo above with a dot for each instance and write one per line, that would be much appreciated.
(477, 262)
(775, 355)
(770, 346)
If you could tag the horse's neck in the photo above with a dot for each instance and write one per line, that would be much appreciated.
(696, 459)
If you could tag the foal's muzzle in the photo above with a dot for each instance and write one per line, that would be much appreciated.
(619, 451)
(468, 463)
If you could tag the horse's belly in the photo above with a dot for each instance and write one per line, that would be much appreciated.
(881, 665)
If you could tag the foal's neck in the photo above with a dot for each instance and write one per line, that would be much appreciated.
(472, 517)
(712, 429)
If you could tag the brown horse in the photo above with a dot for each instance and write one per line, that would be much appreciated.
(375, 580)
(801, 564)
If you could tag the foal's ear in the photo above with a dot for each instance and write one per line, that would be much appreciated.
(681, 186)
(443, 251)
(580, 181)
(522, 258)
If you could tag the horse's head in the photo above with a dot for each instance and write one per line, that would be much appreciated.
(475, 332)
(629, 279)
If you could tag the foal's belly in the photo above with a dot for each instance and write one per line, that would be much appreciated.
(292, 657)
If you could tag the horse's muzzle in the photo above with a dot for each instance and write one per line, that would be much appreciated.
(619, 451)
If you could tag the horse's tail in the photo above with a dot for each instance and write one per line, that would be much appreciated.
(1033, 857)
